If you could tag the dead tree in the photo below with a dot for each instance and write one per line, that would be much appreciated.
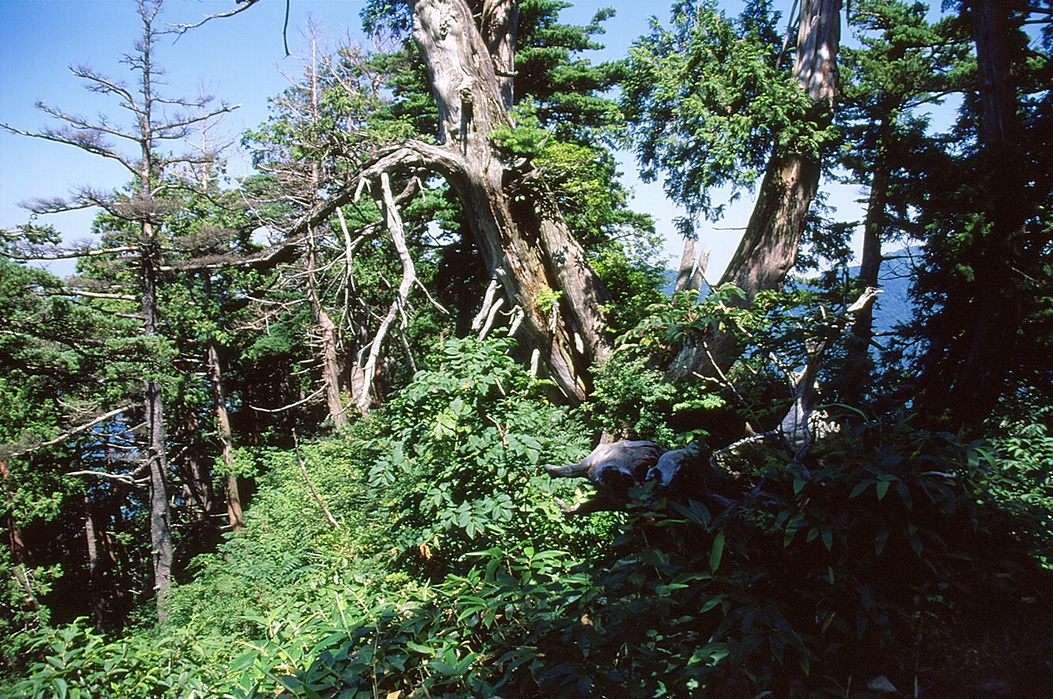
(696, 471)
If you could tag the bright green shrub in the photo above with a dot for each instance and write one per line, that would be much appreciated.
(461, 462)
(847, 566)
(75, 662)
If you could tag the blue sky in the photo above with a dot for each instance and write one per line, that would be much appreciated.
(239, 59)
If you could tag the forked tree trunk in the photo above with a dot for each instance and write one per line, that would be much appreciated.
(769, 246)
(523, 239)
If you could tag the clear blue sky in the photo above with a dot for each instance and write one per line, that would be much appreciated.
(239, 59)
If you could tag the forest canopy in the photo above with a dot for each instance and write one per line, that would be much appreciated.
(416, 407)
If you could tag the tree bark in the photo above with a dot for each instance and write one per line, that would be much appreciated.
(525, 244)
(161, 550)
(966, 373)
(768, 249)
(690, 275)
(235, 519)
(858, 363)
(94, 565)
(328, 351)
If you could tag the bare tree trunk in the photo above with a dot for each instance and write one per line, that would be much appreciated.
(858, 363)
(329, 335)
(328, 350)
(235, 518)
(94, 565)
(526, 246)
(768, 248)
(690, 275)
(161, 550)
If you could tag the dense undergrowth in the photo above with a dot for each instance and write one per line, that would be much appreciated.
(448, 571)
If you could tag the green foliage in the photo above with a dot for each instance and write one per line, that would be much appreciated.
(75, 662)
(708, 102)
(1024, 481)
(462, 461)
(633, 398)
(789, 594)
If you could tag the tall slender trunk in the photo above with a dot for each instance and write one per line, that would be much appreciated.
(94, 564)
(769, 246)
(328, 350)
(858, 363)
(328, 330)
(968, 372)
(235, 517)
(161, 550)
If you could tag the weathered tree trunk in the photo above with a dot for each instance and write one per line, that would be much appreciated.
(94, 565)
(526, 245)
(235, 520)
(858, 363)
(768, 248)
(328, 330)
(690, 275)
(328, 338)
(161, 551)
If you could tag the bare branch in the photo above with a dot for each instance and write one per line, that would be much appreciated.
(386, 201)
(73, 432)
(290, 406)
(89, 142)
(310, 485)
(122, 478)
(104, 85)
(55, 252)
(97, 295)
(181, 29)
(82, 125)
(184, 122)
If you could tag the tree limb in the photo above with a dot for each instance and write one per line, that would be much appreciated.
(73, 432)
(310, 485)
(386, 201)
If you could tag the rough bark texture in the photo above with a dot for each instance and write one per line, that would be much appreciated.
(500, 23)
(768, 248)
(526, 245)
(161, 550)
(235, 518)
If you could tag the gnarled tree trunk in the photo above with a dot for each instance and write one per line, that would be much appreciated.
(523, 239)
